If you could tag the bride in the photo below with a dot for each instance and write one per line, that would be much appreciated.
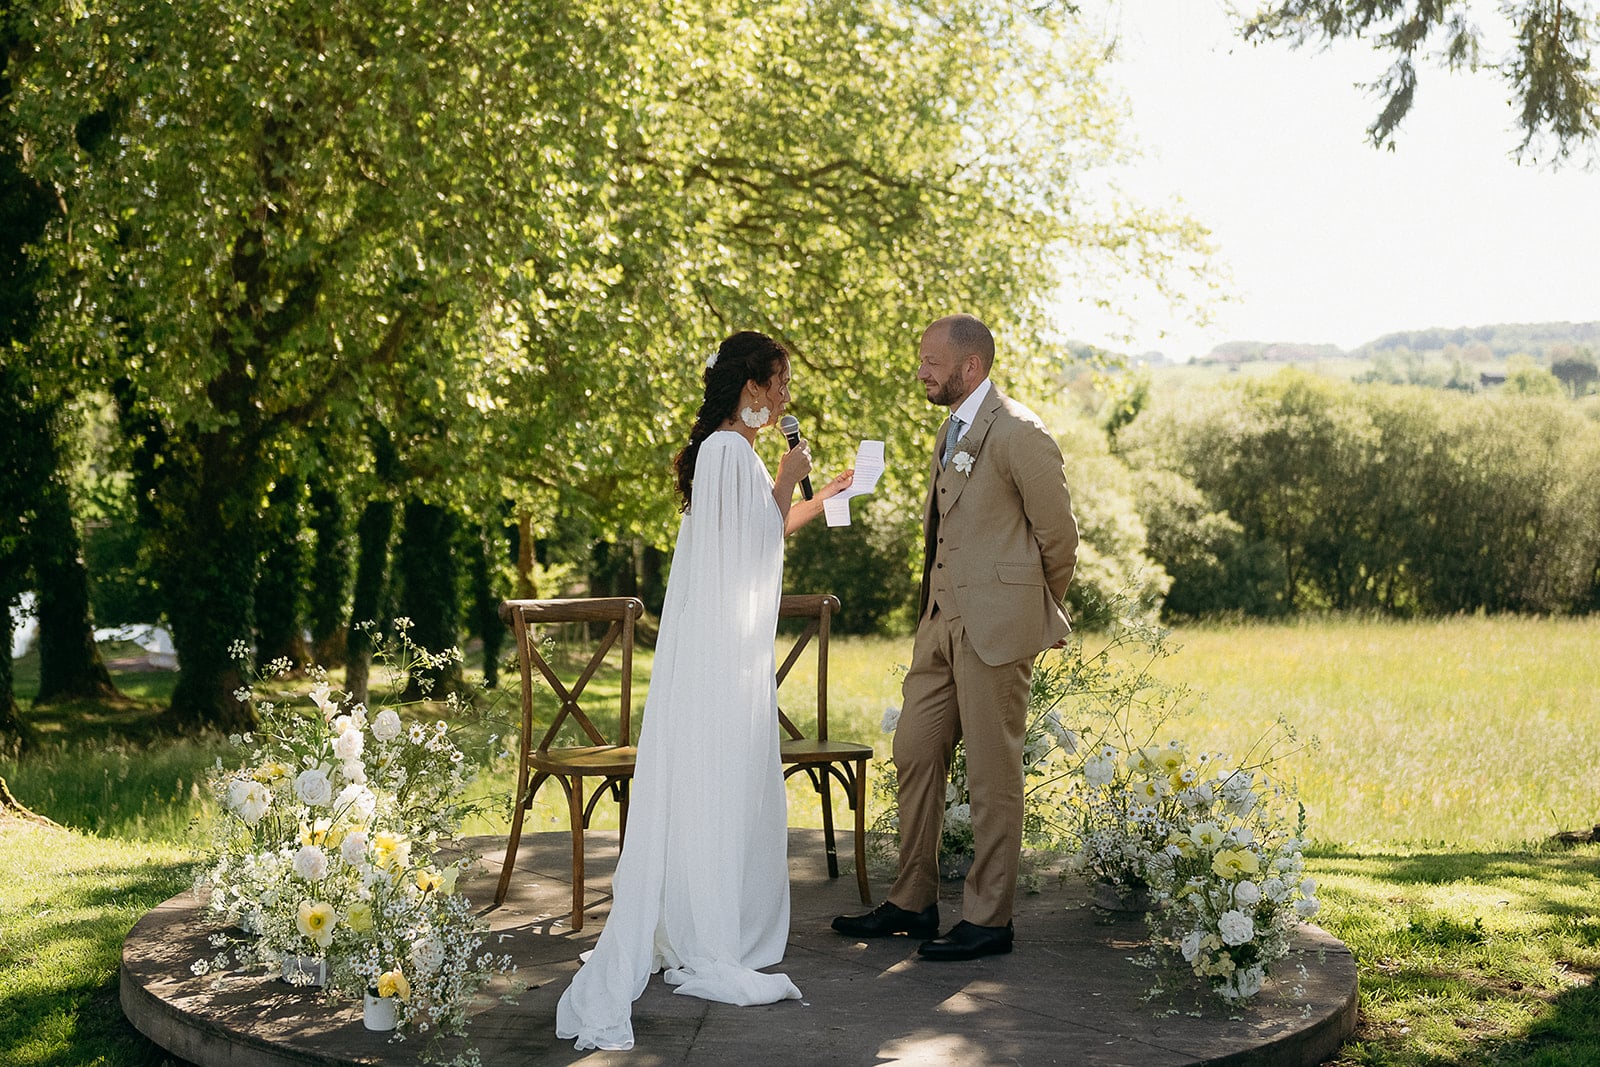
(702, 889)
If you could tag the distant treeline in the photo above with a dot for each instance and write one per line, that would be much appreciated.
(1540, 339)
(1295, 492)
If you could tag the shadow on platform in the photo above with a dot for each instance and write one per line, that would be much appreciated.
(1071, 993)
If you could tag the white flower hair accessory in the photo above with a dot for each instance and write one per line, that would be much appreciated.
(962, 462)
(712, 360)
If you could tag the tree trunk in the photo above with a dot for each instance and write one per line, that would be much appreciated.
(485, 604)
(526, 589)
(430, 594)
(15, 734)
(208, 538)
(330, 573)
(280, 588)
(70, 667)
(373, 532)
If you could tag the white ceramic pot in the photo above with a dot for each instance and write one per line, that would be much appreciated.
(379, 1013)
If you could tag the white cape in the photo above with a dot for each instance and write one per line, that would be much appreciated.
(702, 888)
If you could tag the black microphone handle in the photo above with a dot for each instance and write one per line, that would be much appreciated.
(805, 483)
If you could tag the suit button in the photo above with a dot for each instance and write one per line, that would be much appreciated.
(940, 566)
(941, 540)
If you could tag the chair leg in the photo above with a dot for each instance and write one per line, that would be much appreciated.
(860, 805)
(511, 846)
(575, 806)
(822, 784)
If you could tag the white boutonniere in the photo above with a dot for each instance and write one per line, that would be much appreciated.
(962, 462)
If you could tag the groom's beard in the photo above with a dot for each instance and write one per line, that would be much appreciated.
(953, 389)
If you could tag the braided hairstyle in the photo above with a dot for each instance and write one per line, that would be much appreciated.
(745, 356)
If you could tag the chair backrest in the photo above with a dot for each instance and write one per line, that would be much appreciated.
(621, 613)
(819, 608)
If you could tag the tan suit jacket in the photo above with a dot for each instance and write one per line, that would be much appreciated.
(1006, 532)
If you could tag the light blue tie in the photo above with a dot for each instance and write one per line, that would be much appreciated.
(950, 438)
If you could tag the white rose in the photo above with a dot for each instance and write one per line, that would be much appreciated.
(428, 954)
(356, 799)
(1308, 888)
(959, 814)
(891, 718)
(354, 847)
(348, 745)
(353, 771)
(313, 787)
(386, 727)
(1306, 907)
(1246, 894)
(1247, 983)
(1190, 946)
(310, 863)
(1235, 927)
(250, 799)
(1274, 890)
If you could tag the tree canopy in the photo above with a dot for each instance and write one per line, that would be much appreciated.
(479, 259)
(1541, 49)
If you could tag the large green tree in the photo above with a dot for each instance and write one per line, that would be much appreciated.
(1546, 59)
(506, 240)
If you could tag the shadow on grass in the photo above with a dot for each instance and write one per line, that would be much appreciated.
(61, 1004)
(1468, 957)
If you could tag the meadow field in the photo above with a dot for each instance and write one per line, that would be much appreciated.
(1446, 754)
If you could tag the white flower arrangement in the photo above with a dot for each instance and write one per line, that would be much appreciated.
(327, 846)
(1212, 841)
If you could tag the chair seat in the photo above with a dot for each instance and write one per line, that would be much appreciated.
(804, 750)
(589, 761)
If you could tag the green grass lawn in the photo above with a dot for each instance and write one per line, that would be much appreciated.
(1449, 752)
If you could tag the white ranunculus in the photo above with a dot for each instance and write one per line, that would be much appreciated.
(311, 863)
(1306, 907)
(386, 727)
(1099, 770)
(354, 847)
(357, 800)
(428, 954)
(312, 787)
(1235, 927)
(249, 799)
(1246, 894)
(347, 746)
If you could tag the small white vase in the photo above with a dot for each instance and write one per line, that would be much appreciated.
(378, 1013)
(313, 970)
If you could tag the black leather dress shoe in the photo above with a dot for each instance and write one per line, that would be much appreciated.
(968, 941)
(887, 919)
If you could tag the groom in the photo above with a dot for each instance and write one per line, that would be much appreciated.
(1000, 544)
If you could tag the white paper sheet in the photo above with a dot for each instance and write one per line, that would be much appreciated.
(869, 467)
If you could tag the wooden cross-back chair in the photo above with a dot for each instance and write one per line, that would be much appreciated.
(609, 760)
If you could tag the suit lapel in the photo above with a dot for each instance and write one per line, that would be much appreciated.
(971, 443)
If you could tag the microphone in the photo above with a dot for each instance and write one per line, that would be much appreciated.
(791, 431)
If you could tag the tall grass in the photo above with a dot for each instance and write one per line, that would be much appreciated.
(1468, 732)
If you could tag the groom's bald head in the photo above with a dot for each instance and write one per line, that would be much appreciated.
(966, 335)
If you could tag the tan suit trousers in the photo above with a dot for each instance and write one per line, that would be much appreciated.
(950, 694)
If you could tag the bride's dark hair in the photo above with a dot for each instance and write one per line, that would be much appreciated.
(746, 356)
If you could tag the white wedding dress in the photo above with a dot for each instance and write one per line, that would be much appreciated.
(702, 888)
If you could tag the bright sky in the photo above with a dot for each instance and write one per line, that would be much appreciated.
(1328, 239)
